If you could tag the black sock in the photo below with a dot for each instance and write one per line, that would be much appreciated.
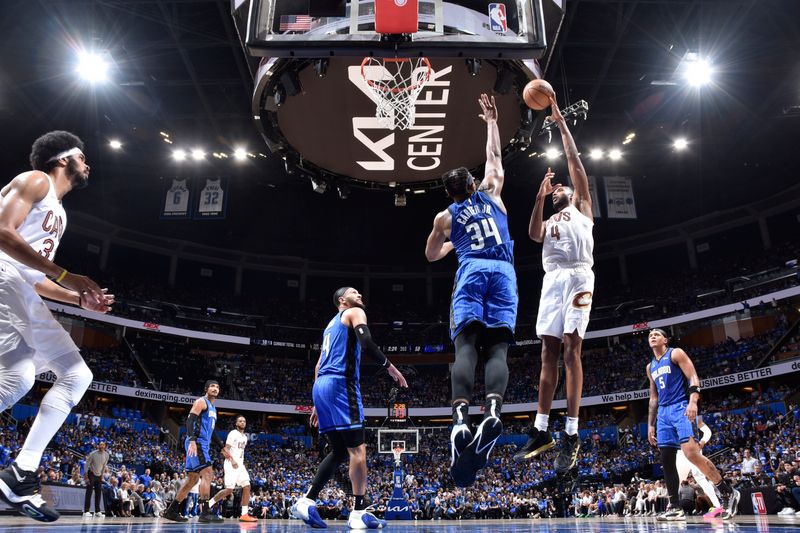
(325, 471)
(359, 503)
(671, 476)
(493, 406)
(723, 487)
(460, 412)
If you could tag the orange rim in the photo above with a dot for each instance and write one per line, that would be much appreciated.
(374, 84)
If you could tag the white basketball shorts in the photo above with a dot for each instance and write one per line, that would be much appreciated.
(235, 477)
(566, 302)
(25, 317)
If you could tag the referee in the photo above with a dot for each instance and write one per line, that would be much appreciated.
(96, 463)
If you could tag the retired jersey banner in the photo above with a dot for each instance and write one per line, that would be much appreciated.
(619, 197)
(594, 196)
(176, 199)
(212, 198)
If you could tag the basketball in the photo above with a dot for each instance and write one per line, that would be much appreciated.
(537, 94)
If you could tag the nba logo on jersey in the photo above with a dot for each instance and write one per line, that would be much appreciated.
(497, 18)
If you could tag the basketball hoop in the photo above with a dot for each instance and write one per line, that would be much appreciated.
(397, 452)
(396, 83)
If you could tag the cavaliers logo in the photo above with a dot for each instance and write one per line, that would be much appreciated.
(582, 300)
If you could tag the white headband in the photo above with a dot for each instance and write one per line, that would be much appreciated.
(66, 153)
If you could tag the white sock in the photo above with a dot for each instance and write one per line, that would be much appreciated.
(211, 503)
(572, 425)
(709, 489)
(245, 510)
(47, 423)
(541, 421)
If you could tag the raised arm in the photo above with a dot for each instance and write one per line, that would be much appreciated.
(580, 182)
(652, 411)
(437, 246)
(680, 358)
(493, 176)
(537, 225)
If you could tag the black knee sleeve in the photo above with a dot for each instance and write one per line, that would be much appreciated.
(668, 462)
(462, 375)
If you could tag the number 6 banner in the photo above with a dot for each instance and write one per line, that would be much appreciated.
(212, 199)
(176, 199)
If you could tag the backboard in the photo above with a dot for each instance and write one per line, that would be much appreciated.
(389, 439)
(447, 28)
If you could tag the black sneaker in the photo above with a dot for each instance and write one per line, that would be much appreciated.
(672, 514)
(567, 456)
(460, 437)
(208, 517)
(475, 455)
(20, 489)
(730, 502)
(538, 443)
(173, 513)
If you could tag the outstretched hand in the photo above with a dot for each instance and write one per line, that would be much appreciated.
(489, 108)
(546, 188)
(555, 112)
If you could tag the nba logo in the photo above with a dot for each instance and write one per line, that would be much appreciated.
(497, 18)
(759, 505)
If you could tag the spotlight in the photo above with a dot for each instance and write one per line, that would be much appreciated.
(321, 67)
(319, 185)
(92, 67)
(680, 144)
(552, 153)
(115, 144)
(198, 154)
(400, 199)
(179, 155)
(614, 154)
(596, 154)
(473, 66)
(344, 190)
(240, 154)
(698, 73)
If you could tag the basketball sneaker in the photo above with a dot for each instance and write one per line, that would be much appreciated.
(714, 512)
(173, 512)
(247, 518)
(21, 489)
(672, 514)
(306, 510)
(460, 437)
(538, 443)
(364, 519)
(567, 456)
(474, 456)
(731, 504)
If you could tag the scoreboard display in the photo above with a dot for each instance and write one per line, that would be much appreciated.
(398, 412)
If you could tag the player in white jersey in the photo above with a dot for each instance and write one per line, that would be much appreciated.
(685, 467)
(566, 297)
(32, 222)
(235, 473)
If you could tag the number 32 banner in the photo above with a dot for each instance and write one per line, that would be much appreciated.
(212, 198)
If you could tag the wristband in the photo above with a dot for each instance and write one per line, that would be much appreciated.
(61, 276)
(692, 389)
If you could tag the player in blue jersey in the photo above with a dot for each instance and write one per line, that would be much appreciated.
(484, 308)
(338, 411)
(674, 392)
(199, 464)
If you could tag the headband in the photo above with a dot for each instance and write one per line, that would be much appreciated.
(66, 153)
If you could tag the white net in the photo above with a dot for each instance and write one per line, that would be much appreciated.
(396, 83)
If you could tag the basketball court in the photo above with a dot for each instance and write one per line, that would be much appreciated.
(740, 524)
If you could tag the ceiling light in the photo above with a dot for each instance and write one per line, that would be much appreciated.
(115, 144)
(680, 144)
(198, 154)
(627, 140)
(92, 67)
(614, 154)
(698, 73)
(596, 154)
(552, 153)
(631, 135)
(163, 134)
(240, 154)
(319, 185)
(179, 155)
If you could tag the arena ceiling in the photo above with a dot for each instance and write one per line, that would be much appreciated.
(177, 68)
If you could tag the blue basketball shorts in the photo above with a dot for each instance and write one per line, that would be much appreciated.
(201, 460)
(485, 291)
(673, 428)
(338, 403)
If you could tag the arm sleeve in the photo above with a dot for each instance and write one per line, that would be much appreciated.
(192, 426)
(369, 347)
(706, 431)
